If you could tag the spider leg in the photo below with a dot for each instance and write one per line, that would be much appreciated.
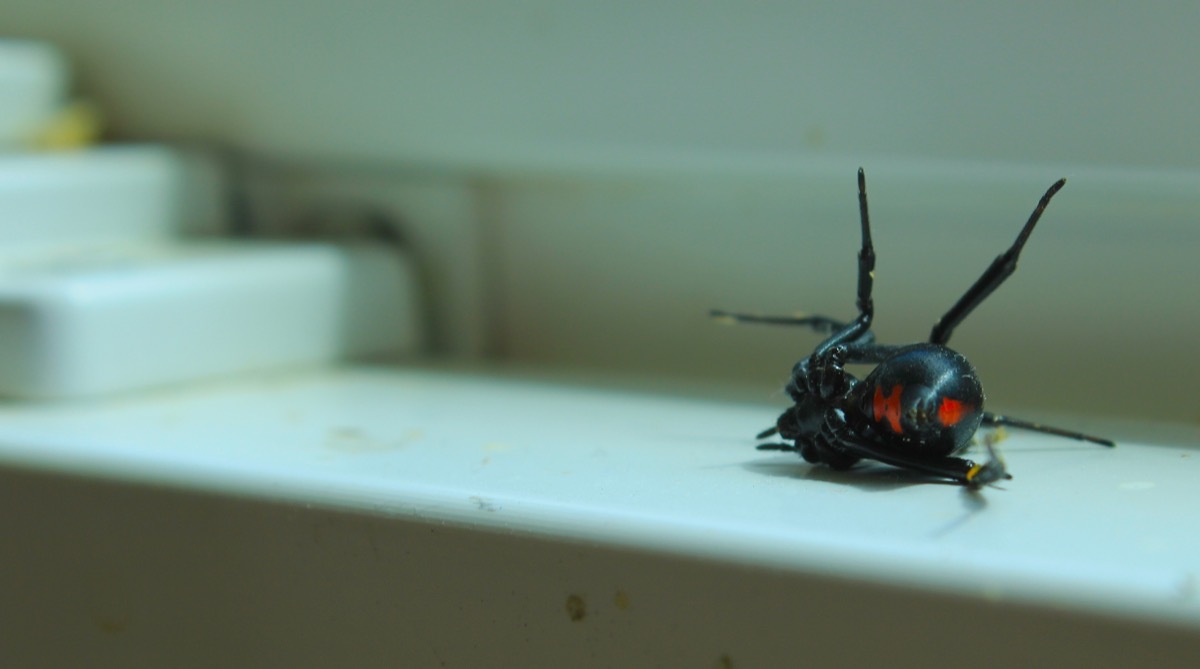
(959, 470)
(835, 446)
(995, 420)
(818, 323)
(769, 432)
(840, 332)
(1000, 269)
(777, 447)
(855, 331)
(866, 255)
(867, 351)
(839, 447)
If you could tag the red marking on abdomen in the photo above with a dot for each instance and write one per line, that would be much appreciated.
(888, 407)
(951, 411)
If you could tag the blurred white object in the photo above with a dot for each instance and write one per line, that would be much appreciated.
(128, 194)
(100, 292)
(131, 317)
(33, 84)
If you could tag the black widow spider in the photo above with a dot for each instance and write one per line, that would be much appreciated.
(922, 403)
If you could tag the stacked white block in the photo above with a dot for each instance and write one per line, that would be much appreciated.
(105, 285)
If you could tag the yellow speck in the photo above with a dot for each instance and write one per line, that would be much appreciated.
(75, 126)
(621, 600)
(973, 471)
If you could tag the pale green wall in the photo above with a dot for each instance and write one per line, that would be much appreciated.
(583, 181)
(1076, 81)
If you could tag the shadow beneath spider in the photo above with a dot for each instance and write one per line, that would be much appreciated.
(879, 478)
(973, 503)
(869, 477)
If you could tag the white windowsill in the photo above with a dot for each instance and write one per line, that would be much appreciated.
(1080, 527)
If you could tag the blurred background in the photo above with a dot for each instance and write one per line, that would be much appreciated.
(577, 184)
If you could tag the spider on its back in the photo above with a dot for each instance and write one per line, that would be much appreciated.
(922, 403)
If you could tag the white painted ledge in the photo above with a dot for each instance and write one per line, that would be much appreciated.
(1081, 529)
(89, 321)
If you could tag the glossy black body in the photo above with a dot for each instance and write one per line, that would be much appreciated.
(922, 403)
(926, 376)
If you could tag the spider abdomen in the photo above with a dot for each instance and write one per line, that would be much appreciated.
(925, 399)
